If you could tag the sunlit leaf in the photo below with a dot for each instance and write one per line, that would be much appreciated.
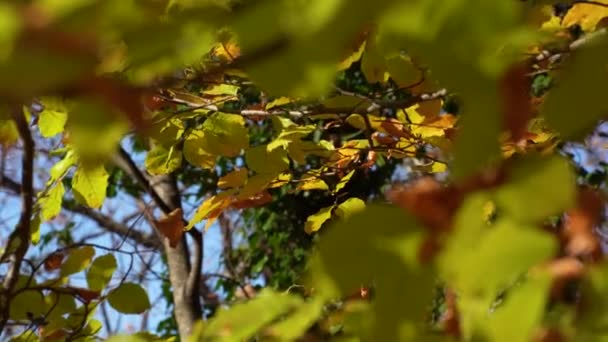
(89, 185)
(161, 160)
(53, 118)
(50, 203)
(349, 207)
(313, 184)
(316, 220)
(343, 181)
(196, 151)
(211, 208)
(226, 134)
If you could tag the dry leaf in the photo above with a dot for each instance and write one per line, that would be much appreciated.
(53, 261)
(172, 226)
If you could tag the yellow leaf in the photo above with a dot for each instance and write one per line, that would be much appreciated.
(233, 179)
(222, 89)
(211, 208)
(349, 207)
(255, 185)
(172, 226)
(281, 180)
(281, 101)
(195, 150)
(585, 15)
(312, 184)
(438, 167)
(226, 134)
(355, 56)
(434, 128)
(343, 181)
(315, 221)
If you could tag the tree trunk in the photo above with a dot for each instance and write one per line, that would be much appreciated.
(186, 301)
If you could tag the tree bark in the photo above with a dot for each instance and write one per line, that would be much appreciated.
(186, 300)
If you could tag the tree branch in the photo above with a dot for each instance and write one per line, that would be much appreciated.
(19, 240)
(184, 273)
(105, 222)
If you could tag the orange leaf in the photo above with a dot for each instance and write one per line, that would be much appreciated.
(253, 201)
(172, 226)
(395, 128)
(53, 261)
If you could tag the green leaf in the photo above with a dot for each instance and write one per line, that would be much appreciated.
(101, 271)
(243, 320)
(161, 160)
(579, 90)
(522, 311)
(77, 260)
(403, 71)
(315, 221)
(502, 254)
(89, 185)
(95, 131)
(35, 229)
(298, 322)
(61, 303)
(539, 187)
(126, 338)
(226, 134)
(373, 243)
(129, 298)
(261, 160)
(28, 301)
(50, 203)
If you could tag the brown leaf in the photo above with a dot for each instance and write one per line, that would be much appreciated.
(514, 89)
(172, 226)
(430, 202)
(85, 294)
(53, 261)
